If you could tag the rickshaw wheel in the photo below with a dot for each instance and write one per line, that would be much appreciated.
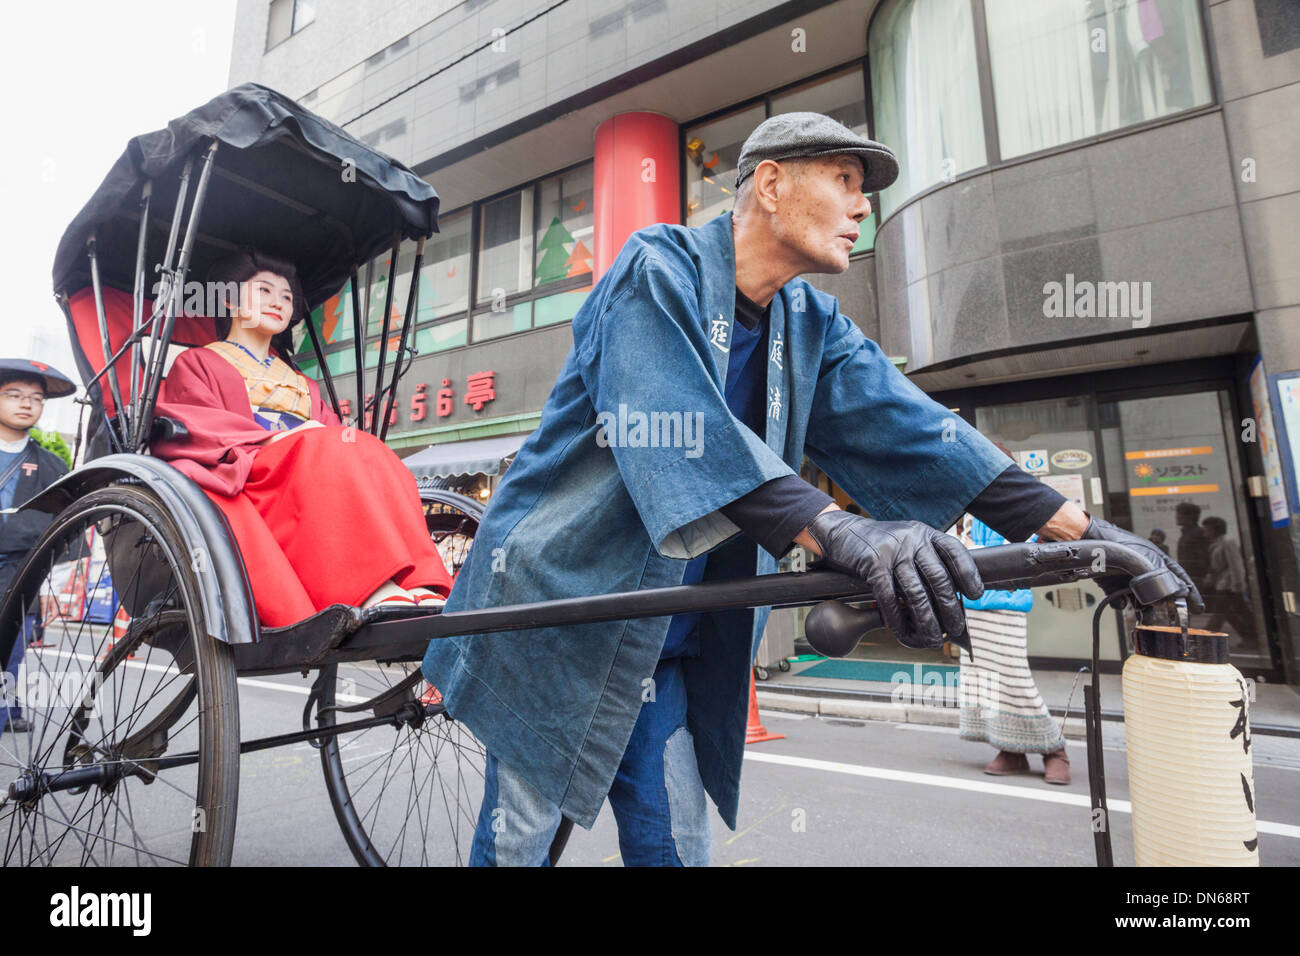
(408, 795)
(133, 753)
(405, 795)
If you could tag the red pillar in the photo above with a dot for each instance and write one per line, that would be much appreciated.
(637, 180)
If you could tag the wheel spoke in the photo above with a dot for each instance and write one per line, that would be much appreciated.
(116, 715)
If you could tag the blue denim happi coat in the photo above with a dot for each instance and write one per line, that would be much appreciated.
(597, 503)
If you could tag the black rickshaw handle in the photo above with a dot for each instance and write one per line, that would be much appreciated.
(832, 625)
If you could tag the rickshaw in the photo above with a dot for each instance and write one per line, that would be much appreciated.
(134, 756)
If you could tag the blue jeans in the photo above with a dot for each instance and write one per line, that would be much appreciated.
(657, 795)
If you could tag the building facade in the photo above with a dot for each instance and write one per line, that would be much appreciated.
(1092, 251)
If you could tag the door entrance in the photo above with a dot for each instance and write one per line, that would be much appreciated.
(1171, 479)
(1056, 441)
(1163, 467)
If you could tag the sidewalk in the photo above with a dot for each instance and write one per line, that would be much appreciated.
(1275, 709)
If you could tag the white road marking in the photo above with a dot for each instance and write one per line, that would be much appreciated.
(782, 714)
(301, 689)
(976, 786)
(928, 728)
(355, 757)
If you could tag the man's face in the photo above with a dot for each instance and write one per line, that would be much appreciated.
(21, 404)
(820, 215)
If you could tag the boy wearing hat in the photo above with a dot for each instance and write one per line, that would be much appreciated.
(702, 371)
(25, 470)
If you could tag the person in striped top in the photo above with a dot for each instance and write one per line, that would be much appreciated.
(1000, 703)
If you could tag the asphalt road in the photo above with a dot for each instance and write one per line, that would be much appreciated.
(834, 792)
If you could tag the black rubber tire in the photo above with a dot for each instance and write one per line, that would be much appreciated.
(432, 779)
(136, 528)
(422, 832)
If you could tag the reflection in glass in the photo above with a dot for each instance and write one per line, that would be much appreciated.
(712, 155)
(1064, 70)
(1053, 440)
(1179, 492)
(925, 90)
(840, 97)
(379, 289)
(445, 289)
(445, 335)
(564, 227)
(506, 245)
(517, 318)
(559, 308)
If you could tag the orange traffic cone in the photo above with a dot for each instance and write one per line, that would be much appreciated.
(756, 733)
(121, 622)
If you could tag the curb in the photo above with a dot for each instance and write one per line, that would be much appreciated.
(859, 709)
(869, 705)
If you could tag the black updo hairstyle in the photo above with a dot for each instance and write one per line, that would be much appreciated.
(242, 266)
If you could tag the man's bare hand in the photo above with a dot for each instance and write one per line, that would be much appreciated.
(1068, 524)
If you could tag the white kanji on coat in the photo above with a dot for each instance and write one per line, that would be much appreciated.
(774, 401)
(775, 357)
(718, 333)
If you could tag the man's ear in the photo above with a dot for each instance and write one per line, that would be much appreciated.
(766, 177)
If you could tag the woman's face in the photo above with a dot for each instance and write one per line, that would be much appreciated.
(265, 303)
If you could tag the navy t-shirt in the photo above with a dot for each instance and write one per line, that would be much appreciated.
(744, 392)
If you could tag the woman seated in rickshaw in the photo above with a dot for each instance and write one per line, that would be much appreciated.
(322, 514)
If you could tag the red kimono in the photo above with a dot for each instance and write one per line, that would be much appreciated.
(322, 516)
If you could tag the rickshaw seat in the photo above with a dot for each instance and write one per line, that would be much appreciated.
(83, 320)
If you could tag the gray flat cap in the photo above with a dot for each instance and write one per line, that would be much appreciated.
(792, 135)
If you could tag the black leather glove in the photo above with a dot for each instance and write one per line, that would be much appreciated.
(1099, 530)
(908, 562)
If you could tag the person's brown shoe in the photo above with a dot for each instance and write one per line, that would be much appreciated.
(1006, 763)
(1056, 767)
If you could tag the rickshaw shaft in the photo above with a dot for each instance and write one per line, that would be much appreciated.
(32, 784)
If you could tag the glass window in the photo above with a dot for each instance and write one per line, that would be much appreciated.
(444, 335)
(559, 308)
(280, 23)
(339, 363)
(925, 93)
(506, 246)
(841, 98)
(304, 12)
(333, 321)
(1178, 490)
(564, 227)
(517, 318)
(379, 289)
(712, 155)
(444, 280)
(287, 17)
(1054, 440)
(1064, 70)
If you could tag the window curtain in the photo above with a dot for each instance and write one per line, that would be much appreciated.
(1065, 70)
(925, 93)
